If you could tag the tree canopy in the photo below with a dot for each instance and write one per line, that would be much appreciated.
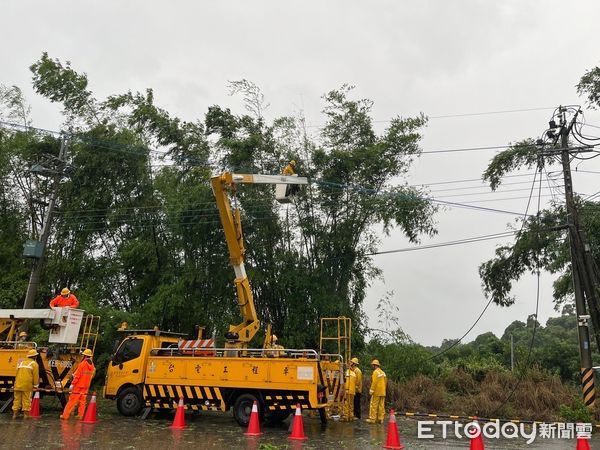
(541, 242)
(136, 233)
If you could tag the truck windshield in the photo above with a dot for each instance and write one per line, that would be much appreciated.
(129, 349)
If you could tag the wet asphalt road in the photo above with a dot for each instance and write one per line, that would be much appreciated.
(216, 430)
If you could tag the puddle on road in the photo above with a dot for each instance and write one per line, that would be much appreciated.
(211, 430)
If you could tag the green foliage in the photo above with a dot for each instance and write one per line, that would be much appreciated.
(13, 105)
(541, 243)
(576, 412)
(400, 361)
(140, 241)
(524, 153)
(61, 84)
(589, 86)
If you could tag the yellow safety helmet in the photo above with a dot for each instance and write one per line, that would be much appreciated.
(23, 334)
(274, 338)
(65, 291)
(32, 353)
(375, 362)
(354, 360)
(293, 162)
(87, 352)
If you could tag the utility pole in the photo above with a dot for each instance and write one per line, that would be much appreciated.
(584, 285)
(38, 262)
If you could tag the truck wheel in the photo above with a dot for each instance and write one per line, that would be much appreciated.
(129, 401)
(242, 409)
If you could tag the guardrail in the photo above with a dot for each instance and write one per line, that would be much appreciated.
(293, 353)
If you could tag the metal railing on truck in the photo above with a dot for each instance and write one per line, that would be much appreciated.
(292, 353)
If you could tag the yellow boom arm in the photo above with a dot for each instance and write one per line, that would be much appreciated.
(239, 335)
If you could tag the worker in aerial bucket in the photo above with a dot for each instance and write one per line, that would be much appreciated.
(290, 171)
(65, 299)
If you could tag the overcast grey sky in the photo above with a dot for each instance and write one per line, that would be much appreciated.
(439, 57)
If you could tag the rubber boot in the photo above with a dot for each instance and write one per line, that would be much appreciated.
(15, 414)
(26, 415)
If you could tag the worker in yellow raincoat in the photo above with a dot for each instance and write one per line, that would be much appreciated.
(26, 380)
(377, 391)
(358, 395)
(290, 169)
(348, 407)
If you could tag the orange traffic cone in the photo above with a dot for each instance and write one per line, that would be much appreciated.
(476, 441)
(179, 421)
(393, 437)
(297, 425)
(583, 443)
(90, 412)
(254, 424)
(34, 412)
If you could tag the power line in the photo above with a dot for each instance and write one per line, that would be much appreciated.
(466, 194)
(484, 113)
(468, 180)
(124, 148)
(464, 188)
(487, 113)
(470, 240)
(454, 344)
(535, 320)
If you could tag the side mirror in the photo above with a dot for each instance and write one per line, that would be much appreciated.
(121, 366)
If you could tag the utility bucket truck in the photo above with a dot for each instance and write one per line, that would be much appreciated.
(152, 370)
(70, 331)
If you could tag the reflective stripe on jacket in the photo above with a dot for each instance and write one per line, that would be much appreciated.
(28, 375)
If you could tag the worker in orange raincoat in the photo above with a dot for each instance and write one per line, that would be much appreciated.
(26, 380)
(82, 378)
(65, 299)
